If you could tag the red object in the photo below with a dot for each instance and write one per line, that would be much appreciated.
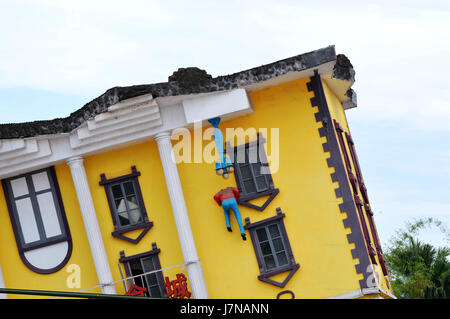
(136, 291)
(229, 192)
(177, 288)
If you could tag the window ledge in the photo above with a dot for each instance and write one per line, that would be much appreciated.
(144, 225)
(245, 199)
(264, 276)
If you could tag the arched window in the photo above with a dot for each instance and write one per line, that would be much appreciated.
(38, 219)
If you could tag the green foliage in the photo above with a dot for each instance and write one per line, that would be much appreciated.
(417, 269)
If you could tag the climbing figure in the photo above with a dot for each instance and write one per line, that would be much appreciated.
(227, 199)
(223, 163)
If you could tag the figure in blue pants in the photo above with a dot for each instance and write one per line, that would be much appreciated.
(223, 164)
(227, 199)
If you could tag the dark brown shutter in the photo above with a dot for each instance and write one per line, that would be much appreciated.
(354, 183)
(351, 177)
(366, 204)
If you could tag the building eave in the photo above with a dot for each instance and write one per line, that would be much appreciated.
(193, 82)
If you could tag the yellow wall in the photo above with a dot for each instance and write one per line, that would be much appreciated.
(145, 157)
(313, 220)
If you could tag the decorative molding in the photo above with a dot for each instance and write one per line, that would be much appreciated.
(120, 119)
(18, 152)
(11, 145)
(155, 250)
(145, 226)
(344, 191)
(245, 200)
(134, 174)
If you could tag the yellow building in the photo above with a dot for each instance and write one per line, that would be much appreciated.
(122, 191)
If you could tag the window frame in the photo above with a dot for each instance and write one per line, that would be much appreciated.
(119, 230)
(245, 197)
(125, 260)
(43, 241)
(292, 266)
(270, 240)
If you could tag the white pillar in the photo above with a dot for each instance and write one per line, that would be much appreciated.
(91, 224)
(193, 267)
(2, 285)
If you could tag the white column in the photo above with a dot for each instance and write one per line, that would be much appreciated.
(193, 267)
(91, 224)
(2, 285)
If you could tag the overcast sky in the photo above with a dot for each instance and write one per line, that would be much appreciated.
(55, 56)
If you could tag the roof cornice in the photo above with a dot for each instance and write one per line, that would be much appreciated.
(185, 81)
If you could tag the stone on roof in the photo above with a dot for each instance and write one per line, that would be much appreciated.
(184, 81)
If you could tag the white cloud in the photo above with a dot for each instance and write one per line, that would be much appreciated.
(89, 46)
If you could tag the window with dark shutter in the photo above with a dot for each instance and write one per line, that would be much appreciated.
(354, 183)
(252, 173)
(361, 205)
(126, 205)
(253, 181)
(366, 204)
(272, 248)
(144, 270)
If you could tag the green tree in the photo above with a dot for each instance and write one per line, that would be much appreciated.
(417, 269)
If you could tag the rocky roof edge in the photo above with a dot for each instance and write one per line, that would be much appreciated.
(182, 82)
